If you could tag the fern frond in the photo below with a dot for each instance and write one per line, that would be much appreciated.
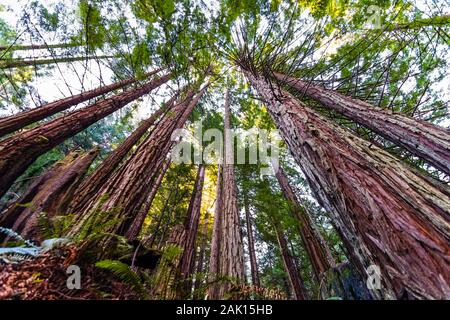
(12, 234)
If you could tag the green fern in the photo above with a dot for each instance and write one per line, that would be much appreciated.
(125, 274)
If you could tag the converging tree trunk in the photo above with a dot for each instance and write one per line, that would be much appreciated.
(126, 191)
(421, 138)
(191, 230)
(386, 215)
(22, 119)
(231, 259)
(21, 47)
(295, 281)
(49, 194)
(214, 256)
(19, 151)
(318, 252)
(251, 241)
(40, 62)
(136, 225)
(201, 258)
(92, 184)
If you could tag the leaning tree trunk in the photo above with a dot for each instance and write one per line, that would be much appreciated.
(318, 252)
(191, 229)
(135, 226)
(22, 47)
(19, 151)
(49, 194)
(214, 256)
(421, 138)
(251, 241)
(201, 258)
(129, 187)
(231, 248)
(92, 184)
(40, 62)
(386, 215)
(295, 281)
(22, 119)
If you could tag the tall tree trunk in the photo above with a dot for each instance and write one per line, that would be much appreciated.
(251, 242)
(136, 224)
(214, 256)
(92, 184)
(385, 214)
(318, 252)
(231, 248)
(22, 119)
(40, 62)
(130, 185)
(201, 257)
(22, 47)
(19, 151)
(295, 281)
(421, 138)
(50, 193)
(191, 230)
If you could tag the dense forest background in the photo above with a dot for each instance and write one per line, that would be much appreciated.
(356, 204)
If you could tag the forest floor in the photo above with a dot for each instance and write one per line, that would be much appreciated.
(45, 278)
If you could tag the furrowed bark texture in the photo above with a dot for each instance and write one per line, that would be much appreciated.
(214, 257)
(50, 193)
(136, 225)
(385, 214)
(130, 185)
(421, 138)
(191, 229)
(19, 151)
(251, 241)
(22, 119)
(92, 184)
(231, 259)
(318, 252)
(201, 258)
(295, 281)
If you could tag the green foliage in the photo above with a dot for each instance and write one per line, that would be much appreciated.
(125, 274)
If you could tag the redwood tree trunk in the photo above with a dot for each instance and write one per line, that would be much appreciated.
(130, 185)
(318, 252)
(201, 257)
(50, 193)
(92, 184)
(214, 256)
(22, 119)
(231, 248)
(295, 281)
(20, 150)
(136, 224)
(386, 214)
(18, 47)
(39, 62)
(421, 138)
(251, 242)
(191, 229)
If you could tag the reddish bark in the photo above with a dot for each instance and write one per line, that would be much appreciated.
(295, 281)
(201, 256)
(22, 119)
(421, 138)
(92, 184)
(130, 185)
(50, 193)
(318, 252)
(251, 241)
(214, 257)
(19, 151)
(136, 224)
(231, 259)
(385, 213)
(191, 229)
